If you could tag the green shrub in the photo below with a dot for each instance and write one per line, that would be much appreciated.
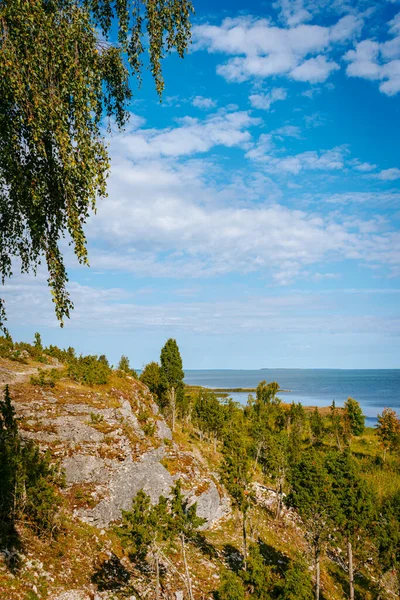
(231, 587)
(29, 483)
(45, 378)
(89, 370)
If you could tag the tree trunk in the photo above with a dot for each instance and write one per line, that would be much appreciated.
(317, 574)
(173, 407)
(157, 578)
(189, 582)
(215, 443)
(351, 574)
(244, 541)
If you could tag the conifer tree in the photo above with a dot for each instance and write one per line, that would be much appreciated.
(124, 366)
(236, 475)
(312, 496)
(184, 524)
(354, 504)
(171, 378)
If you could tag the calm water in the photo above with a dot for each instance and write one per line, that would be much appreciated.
(373, 389)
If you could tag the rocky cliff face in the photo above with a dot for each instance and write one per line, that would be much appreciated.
(112, 442)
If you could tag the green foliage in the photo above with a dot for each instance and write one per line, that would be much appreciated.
(89, 370)
(124, 367)
(388, 428)
(38, 343)
(28, 481)
(60, 73)
(258, 576)
(171, 375)
(355, 499)
(388, 533)
(298, 585)
(208, 414)
(236, 468)
(184, 519)
(143, 525)
(96, 418)
(231, 587)
(45, 378)
(151, 376)
(317, 426)
(354, 418)
(313, 497)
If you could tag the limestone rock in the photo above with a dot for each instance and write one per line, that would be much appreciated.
(147, 474)
(210, 505)
(70, 595)
(163, 431)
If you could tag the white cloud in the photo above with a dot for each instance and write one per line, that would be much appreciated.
(314, 70)
(265, 101)
(259, 49)
(325, 160)
(288, 131)
(190, 137)
(389, 174)
(378, 61)
(113, 310)
(203, 103)
(168, 219)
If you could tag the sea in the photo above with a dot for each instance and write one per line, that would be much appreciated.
(374, 389)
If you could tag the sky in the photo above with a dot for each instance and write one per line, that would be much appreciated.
(253, 215)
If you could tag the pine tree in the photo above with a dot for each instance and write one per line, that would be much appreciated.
(355, 504)
(236, 474)
(124, 366)
(312, 496)
(184, 524)
(297, 584)
(172, 393)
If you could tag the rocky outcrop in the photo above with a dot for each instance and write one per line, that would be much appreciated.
(111, 445)
(126, 479)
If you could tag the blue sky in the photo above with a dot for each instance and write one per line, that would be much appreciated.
(253, 215)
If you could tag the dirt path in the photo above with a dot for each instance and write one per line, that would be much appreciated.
(9, 376)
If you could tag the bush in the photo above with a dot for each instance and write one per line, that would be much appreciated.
(298, 584)
(231, 587)
(28, 481)
(89, 370)
(46, 378)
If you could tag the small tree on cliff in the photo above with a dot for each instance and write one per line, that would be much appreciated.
(151, 376)
(124, 366)
(172, 394)
(236, 475)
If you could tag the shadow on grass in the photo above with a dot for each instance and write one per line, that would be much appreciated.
(11, 547)
(111, 575)
(233, 557)
(362, 585)
(205, 546)
(273, 557)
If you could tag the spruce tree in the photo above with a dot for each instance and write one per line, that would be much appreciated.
(355, 504)
(171, 378)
